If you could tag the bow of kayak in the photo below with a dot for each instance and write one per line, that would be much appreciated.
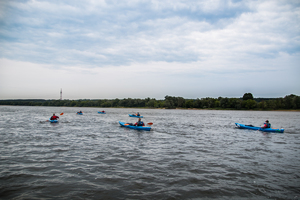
(243, 126)
(145, 128)
(53, 121)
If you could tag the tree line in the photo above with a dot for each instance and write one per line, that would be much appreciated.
(247, 102)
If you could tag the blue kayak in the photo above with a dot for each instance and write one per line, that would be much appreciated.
(135, 116)
(78, 113)
(243, 126)
(53, 121)
(101, 112)
(145, 128)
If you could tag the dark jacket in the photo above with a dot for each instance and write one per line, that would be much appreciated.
(54, 117)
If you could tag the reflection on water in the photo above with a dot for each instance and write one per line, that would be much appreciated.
(188, 154)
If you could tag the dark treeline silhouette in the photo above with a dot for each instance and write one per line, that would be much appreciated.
(247, 102)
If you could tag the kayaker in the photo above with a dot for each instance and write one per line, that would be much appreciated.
(54, 117)
(266, 124)
(138, 114)
(139, 123)
(80, 112)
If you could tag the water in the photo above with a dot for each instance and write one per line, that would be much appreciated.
(188, 154)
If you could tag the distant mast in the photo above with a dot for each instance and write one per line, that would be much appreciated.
(60, 94)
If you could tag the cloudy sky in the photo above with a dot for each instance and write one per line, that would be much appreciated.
(107, 49)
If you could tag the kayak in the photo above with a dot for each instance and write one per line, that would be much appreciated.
(243, 126)
(135, 116)
(53, 121)
(145, 128)
(78, 113)
(101, 112)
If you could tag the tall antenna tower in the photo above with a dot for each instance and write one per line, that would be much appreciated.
(60, 94)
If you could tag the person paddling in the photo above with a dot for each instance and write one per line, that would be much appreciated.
(54, 117)
(266, 124)
(139, 123)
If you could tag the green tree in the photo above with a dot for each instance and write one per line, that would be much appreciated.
(262, 105)
(224, 102)
(180, 102)
(152, 103)
(233, 103)
(271, 104)
(197, 103)
(288, 101)
(73, 103)
(106, 104)
(296, 102)
(115, 103)
(189, 103)
(247, 96)
(217, 104)
(249, 104)
(167, 104)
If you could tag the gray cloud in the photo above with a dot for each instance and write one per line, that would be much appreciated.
(207, 38)
(117, 33)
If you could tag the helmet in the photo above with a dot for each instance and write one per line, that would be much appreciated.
(267, 120)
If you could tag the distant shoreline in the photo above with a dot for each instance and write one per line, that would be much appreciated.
(247, 102)
(103, 108)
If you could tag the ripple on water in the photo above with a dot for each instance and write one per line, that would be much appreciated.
(189, 154)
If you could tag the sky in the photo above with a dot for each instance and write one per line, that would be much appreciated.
(107, 49)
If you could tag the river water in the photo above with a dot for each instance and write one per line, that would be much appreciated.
(188, 154)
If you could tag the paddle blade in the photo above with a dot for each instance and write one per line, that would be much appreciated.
(150, 123)
(61, 113)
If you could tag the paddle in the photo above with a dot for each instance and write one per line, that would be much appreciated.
(150, 123)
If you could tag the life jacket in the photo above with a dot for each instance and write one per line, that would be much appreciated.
(140, 123)
(267, 125)
(54, 117)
